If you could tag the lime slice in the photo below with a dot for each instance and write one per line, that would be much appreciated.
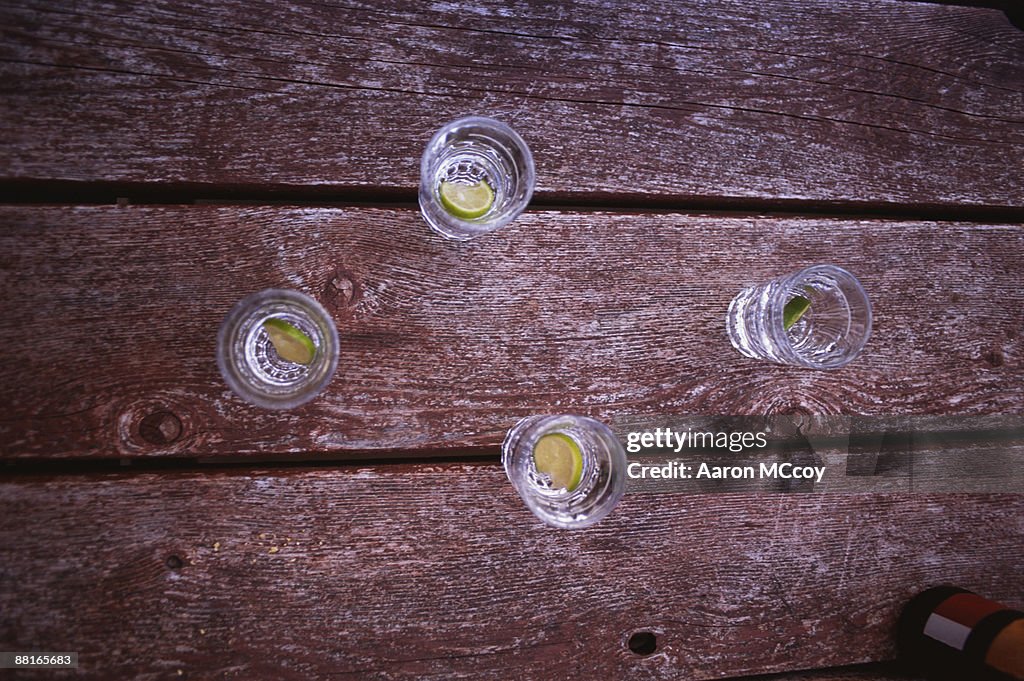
(558, 456)
(467, 201)
(290, 342)
(794, 310)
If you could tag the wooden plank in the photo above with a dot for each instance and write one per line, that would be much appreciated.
(422, 571)
(872, 102)
(115, 313)
(882, 671)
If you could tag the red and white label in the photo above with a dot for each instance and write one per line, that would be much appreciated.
(955, 617)
(947, 631)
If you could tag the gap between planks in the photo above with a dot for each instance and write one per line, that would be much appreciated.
(63, 192)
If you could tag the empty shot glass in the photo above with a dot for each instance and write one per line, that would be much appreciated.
(569, 470)
(819, 318)
(476, 176)
(250, 362)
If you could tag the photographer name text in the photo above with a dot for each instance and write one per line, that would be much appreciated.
(676, 470)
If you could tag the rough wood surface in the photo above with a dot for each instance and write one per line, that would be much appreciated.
(881, 671)
(873, 101)
(422, 572)
(113, 312)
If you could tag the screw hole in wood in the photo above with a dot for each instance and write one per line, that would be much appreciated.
(160, 428)
(342, 291)
(643, 643)
(174, 562)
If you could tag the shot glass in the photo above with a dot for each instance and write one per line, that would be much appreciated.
(600, 484)
(831, 328)
(249, 362)
(468, 151)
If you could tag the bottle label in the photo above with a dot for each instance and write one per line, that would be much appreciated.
(951, 622)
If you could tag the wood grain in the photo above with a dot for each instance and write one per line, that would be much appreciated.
(113, 312)
(874, 102)
(866, 672)
(440, 572)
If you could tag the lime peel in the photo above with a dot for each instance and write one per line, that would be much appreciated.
(794, 310)
(557, 456)
(289, 341)
(466, 201)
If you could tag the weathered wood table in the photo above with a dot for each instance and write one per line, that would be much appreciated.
(161, 160)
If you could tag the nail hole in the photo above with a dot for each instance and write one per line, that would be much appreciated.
(643, 643)
(174, 562)
(342, 290)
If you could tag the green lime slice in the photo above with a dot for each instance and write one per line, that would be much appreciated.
(794, 310)
(290, 342)
(558, 457)
(467, 201)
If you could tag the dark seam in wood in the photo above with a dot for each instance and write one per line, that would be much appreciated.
(928, 68)
(31, 191)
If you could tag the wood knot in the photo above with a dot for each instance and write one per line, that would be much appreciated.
(160, 428)
(341, 291)
(155, 422)
(994, 358)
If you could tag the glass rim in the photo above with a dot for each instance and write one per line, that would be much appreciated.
(607, 449)
(529, 178)
(227, 358)
(846, 278)
(551, 424)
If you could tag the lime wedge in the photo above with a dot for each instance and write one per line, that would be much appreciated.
(290, 342)
(558, 456)
(467, 201)
(794, 310)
